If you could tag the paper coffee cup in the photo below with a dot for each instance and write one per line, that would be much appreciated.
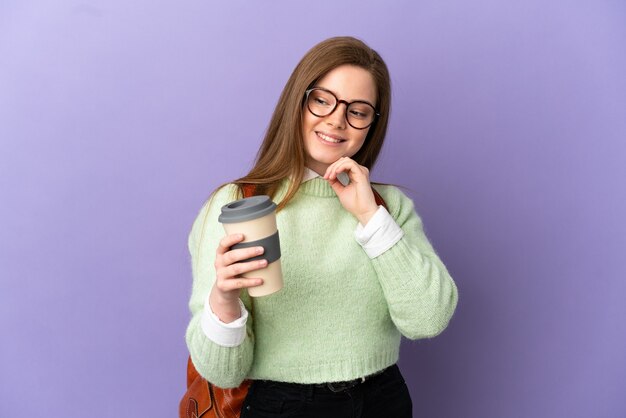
(255, 218)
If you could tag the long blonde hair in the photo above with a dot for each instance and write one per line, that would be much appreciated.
(282, 153)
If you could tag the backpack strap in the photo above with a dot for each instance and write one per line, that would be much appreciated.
(379, 199)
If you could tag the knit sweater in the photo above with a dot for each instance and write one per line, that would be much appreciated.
(340, 314)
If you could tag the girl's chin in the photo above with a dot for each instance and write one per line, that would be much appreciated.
(318, 166)
(325, 160)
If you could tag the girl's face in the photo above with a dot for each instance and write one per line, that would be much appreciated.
(328, 138)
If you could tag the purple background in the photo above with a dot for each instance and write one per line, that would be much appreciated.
(118, 118)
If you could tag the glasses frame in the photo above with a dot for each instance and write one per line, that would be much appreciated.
(337, 101)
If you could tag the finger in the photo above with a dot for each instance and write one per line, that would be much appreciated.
(330, 168)
(227, 242)
(334, 167)
(238, 283)
(351, 169)
(240, 254)
(357, 173)
(238, 269)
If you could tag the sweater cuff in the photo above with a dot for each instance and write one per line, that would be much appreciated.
(380, 234)
(226, 335)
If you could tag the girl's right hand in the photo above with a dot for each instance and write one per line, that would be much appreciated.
(228, 282)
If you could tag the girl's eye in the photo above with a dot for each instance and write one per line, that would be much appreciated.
(357, 114)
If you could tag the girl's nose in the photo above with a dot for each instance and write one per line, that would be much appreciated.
(338, 117)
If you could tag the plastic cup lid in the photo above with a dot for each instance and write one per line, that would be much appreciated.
(246, 209)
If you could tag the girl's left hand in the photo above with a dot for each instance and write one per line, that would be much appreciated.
(357, 197)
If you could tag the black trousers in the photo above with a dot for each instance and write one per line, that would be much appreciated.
(383, 395)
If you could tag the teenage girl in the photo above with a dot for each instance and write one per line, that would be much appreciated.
(357, 275)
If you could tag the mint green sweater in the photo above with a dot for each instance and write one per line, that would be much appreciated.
(340, 314)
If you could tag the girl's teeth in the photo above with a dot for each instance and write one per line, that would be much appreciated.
(329, 139)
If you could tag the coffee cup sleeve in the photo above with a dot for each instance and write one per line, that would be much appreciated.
(270, 244)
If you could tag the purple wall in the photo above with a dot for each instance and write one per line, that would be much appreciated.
(118, 118)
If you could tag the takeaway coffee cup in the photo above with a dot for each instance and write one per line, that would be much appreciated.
(255, 218)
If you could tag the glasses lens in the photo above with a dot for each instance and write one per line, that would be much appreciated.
(360, 115)
(321, 102)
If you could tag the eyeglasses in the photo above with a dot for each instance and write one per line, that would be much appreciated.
(321, 102)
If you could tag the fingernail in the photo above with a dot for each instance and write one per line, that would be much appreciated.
(259, 250)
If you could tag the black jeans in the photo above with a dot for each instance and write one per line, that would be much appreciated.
(383, 395)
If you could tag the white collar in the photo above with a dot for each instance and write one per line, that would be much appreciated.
(309, 174)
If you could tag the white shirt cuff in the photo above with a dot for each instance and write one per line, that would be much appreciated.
(380, 234)
(226, 335)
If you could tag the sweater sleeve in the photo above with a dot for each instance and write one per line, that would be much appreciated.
(420, 293)
(225, 367)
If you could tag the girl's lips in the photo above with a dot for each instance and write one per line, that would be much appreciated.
(333, 139)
